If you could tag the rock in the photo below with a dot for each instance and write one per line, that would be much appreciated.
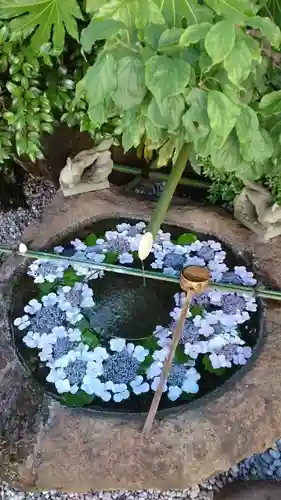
(252, 490)
(274, 453)
(278, 473)
(80, 451)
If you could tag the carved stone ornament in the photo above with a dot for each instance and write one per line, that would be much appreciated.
(255, 208)
(88, 170)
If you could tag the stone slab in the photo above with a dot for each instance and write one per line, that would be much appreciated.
(81, 451)
(253, 490)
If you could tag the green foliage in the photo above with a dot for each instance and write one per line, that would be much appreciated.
(44, 22)
(91, 240)
(70, 277)
(208, 367)
(90, 338)
(186, 239)
(179, 73)
(38, 87)
(81, 398)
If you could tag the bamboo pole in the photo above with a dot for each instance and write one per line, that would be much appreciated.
(257, 291)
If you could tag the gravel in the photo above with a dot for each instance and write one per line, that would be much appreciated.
(12, 223)
(264, 466)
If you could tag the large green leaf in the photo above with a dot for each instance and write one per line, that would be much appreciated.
(167, 115)
(131, 88)
(166, 77)
(156, 136)
(238, 63)
(175, 11)
(247, 124)
(101, 79)
(270, 104)
(99, 29)
(222, 113)
(252, 45)
(152, 34)
(133, 13)
(268, 28)
(220, 40)
(196, 120)
(194, 33)
(227, 157)
(132, 127)
(235, 10)
(169, 38)
(47, 20)
(259, 149)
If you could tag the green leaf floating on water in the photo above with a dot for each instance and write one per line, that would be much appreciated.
(46, 288)
(208, 367)
(146, 364)
(180, 356)
(91, 240)
(70, 277)
(197, 311)
(83, 325)
(186, 239)
(111, 257)
(81, 398)
(89, 338)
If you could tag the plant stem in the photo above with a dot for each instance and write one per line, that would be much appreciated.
(165, 199)
(185, 181)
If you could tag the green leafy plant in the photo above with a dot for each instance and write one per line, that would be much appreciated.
(186, 79)
(42, 21)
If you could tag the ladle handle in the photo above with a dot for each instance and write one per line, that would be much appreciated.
(167, 365)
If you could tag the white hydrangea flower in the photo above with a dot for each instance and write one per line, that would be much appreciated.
(154, 370)
(126, 258)
(230, 354)
(32, 307)
(99, 354)
(246, 276)
(31, 339)
(22, 322)
(138, 351)
(117, 344)
(97, 258)
(78, 296)
(58, 249)
(50, 300)
(155, 384)
(139, 386)
(204, 326)
(47, 270)
(69, 372)
(120, 391)
(174, 392)
(78, 244)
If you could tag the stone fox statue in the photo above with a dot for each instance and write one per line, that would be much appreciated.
(88, 170)
(256, 209)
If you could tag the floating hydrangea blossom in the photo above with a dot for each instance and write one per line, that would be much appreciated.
(180, 379)
(57, 344)
(230, 354)
(73, 299)
(74, 371)
(47, 270)
(42, 320)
